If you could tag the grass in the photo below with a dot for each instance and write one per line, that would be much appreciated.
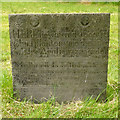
(12, 108)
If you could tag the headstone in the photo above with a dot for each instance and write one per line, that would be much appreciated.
(60, 55)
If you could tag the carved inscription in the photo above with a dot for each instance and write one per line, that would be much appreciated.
(59, 50)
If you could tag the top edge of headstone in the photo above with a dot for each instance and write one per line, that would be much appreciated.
(54, 13)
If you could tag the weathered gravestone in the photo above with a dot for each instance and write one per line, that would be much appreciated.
(64, 55)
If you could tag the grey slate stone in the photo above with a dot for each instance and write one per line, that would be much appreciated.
(61, 55)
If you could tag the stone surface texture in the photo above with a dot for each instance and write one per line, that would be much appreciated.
(61, 55)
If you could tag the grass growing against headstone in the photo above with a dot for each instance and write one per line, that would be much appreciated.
(12, 108)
